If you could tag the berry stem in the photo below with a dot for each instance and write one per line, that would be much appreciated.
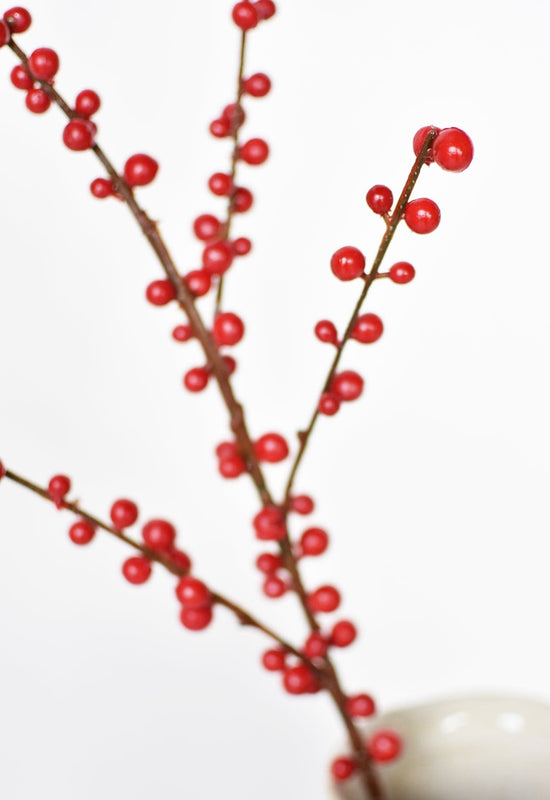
(243, 616)
(391, 225)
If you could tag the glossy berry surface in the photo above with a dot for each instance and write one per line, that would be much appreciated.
(160, 293)
(159, 534)
(21, 78)
(329, 404)
(379, 199)
(193, 593)
(58, 487)
(324, 599)
(140, 170)
(268, 563)
(343, 633)
(241, 246)
(220, 127)
(257, 85)
(297, 680)
(78, 135)
(254, 152)
(232, 467)
(348, 263)
(342, 768)
(347, 385)
(315, 646)
(44, 63)
(302, 504)
(360, 705)
(5, 34)
(136, 570)
(82, 532)
(196, 619)
(274, 660)
(87, 102)
(207, 227)
(418, 141)
(245, 16)
(123, 513)
(325, 331)
(453, 150)
(102, 188)
(368, 328)
(37, 101)
(271, 447)
(179, 558)
(402, 272)
(274, 586)
(242, 200)
(314, 542)
(422, 215)
(196, 379)
(228, 329)
(384, 746)
(19, 19)
(182, 333)
(220, 184)
(198, 282)
(227, 450)
(217, 257)
(269, 524)
(265, 8)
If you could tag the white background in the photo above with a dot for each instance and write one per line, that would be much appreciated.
(433, 486)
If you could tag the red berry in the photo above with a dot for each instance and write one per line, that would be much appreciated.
(160, 293)
(82, 532)
(313, 542)
(379, 199)
(402, 272)
(193, 593)
(235, 116)
(422, 215)
(325, 599)
(258, 85)
(453, 150)
(242, 200)
(316, 646)
(228, 329)
(347, 385)
(196, 379)
(58, 487)
(159, 534)
(21, 78)
(241, 246)
(274, 660)
(347, 263)
(232, 467)
(78, 134)
(220, 184)
(343, 633)
(271, 447)
(227, 450)
(274, 587)
(198, 282)
(245, 16)
(265, 8)
(182, 333)
(140, 170)
(268, 563)
(302, 504)
(297, 680)
(342, 768)
(217, 257)
(367, 328)
(44, 63)
(136, 570)
(254, 152)
(361, 705)
(37, 101)
(2, 470)
(325, 331)
(87, 102)
(196, 619)
(384, 746)
(418, 141)
(230, 364)
(101, 188)
(329, 404)
(5, 34)
(18, 19)
(269, 524)
(179, 558)
(220, 128)
(123, 513)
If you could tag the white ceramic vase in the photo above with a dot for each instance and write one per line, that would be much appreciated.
(470, 748)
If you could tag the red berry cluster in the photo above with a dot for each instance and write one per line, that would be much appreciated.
(247, 15)
(383, 746)
(196, 601)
